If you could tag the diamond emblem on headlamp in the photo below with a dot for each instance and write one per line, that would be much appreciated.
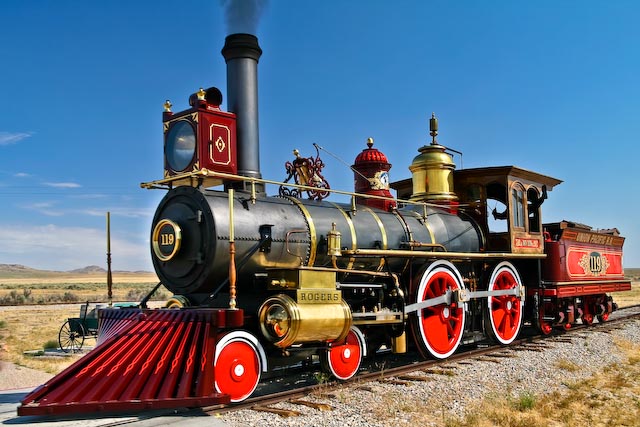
(220, 144)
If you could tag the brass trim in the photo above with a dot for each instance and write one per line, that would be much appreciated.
(343, 270)
(405, 224)
(156, 234)
(313, 247)
(190, 116)
(206, 173)
(383, 233)
(427, 225)
(354, 237)
(177, 301)
(211, 144)
(439, 255)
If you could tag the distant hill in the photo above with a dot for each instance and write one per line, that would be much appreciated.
(15, 271)
(90, 269)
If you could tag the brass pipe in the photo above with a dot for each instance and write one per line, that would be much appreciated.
(399, 253)
(426, 245)
(232, 255)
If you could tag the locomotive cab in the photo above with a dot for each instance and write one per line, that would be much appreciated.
(506, 202)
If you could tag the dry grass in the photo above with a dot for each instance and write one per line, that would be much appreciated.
(25, 329)
(62, 287)
(567, 365)
(625, 299)
(609, 398)
(70, 278)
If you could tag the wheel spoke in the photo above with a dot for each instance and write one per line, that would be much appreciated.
(504, 311)
(438, 333)
(439, 328)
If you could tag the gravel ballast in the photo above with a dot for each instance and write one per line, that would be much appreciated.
(455, 388)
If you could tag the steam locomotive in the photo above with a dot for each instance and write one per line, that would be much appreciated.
(458, 257)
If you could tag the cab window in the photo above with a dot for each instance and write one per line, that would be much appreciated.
(533, 208)
(497, 212)
(517, 204)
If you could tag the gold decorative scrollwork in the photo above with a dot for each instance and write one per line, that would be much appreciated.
(306, 171)
(594, 264)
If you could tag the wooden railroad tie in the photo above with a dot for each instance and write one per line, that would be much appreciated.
(285, 413)
(314, 405)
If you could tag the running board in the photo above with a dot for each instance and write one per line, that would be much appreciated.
(145, 359)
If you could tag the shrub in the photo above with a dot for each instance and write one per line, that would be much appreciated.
(51, 344)
(526, 401)
(69, 297)
(16, 298)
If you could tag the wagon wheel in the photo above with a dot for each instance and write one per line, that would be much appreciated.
(71, 336)
(603, 317)
(438, 330)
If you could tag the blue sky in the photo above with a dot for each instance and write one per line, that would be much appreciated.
(550, 86)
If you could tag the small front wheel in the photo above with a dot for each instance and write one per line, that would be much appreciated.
(239, 361)
(343, 361)
(71, 336)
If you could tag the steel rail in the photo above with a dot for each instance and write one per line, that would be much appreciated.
(260, 402)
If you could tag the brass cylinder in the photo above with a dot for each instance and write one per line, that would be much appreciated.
(285, 322)
(334, 246)
(399, 344)
(432, 175)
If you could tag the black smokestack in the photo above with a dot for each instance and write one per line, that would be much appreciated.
(242, 52)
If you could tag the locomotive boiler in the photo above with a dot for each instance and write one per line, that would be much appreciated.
(457, 257)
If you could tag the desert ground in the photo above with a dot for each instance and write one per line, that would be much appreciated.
(43, 301)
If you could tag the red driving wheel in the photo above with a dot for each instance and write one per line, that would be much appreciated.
(505, 311)
(438, 329)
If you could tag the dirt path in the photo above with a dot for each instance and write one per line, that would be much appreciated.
(18, 377)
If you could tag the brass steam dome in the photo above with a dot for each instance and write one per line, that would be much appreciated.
(432, 171)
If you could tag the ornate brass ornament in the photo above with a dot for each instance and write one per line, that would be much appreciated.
(166, 239)
(306, 171)
(594, 264)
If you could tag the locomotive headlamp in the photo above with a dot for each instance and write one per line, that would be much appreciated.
(180, 148)
(277, 321)
(280, 320)
(201, 137)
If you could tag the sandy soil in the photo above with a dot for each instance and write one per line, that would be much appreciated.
(18, 377)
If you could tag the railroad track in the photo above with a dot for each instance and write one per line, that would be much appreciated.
(401, 369)
(299, 393)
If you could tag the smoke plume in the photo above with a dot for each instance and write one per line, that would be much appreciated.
(243, 16)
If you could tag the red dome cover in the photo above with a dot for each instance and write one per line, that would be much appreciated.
(370, 155)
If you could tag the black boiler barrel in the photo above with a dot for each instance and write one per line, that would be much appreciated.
(299, 236)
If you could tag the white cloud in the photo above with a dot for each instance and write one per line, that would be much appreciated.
(55, 247)
(124, 212)
(22, 175)
(45, 208)
(62, 184)
(88, 196)
(8, 138)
